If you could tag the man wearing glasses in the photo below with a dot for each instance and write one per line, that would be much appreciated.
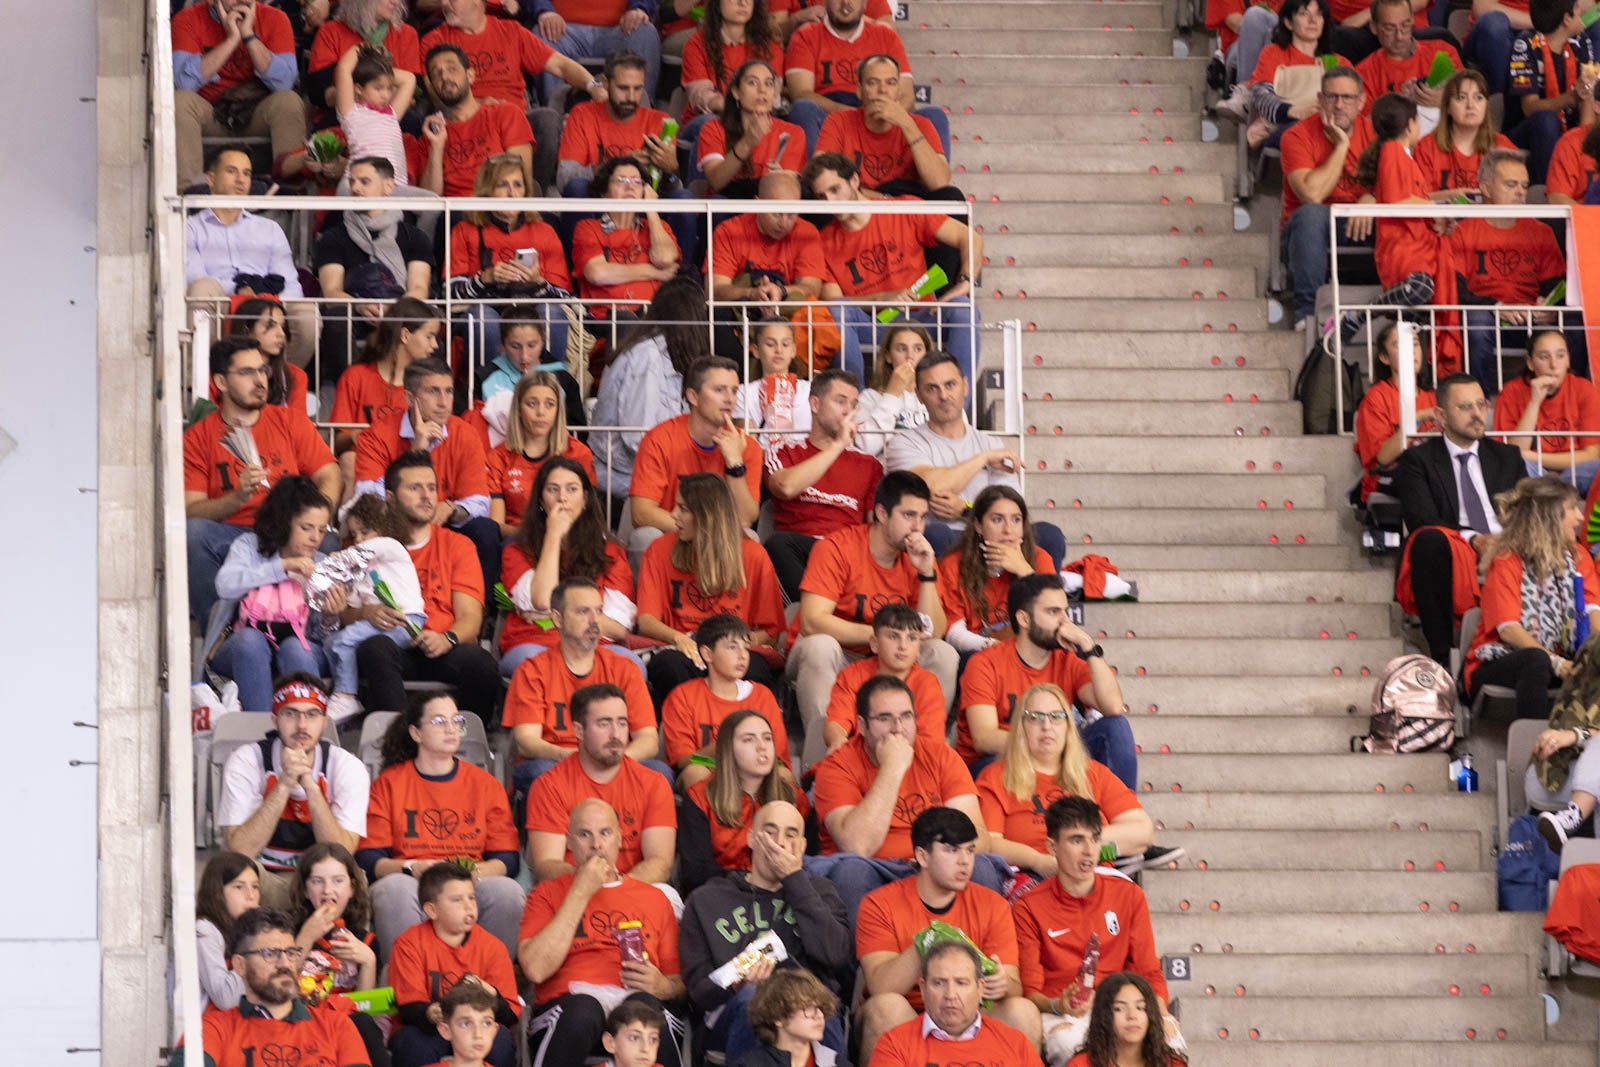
(292, 789)
(270, 1018)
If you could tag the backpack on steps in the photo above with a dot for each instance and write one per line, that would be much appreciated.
(1413, 708)
(1314, 388)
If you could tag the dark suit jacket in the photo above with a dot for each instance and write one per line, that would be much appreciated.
(1425, 480)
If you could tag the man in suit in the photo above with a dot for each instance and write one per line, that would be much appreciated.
(1447, 487)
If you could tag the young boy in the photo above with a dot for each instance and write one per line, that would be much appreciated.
(1546, 79)
(469, 1024)
(634, 1032)
(693, 712)
(437, 955)
(896, 642)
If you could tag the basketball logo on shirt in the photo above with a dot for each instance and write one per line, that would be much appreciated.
(698, 598)
(439, 823)
(879, 167)
(867, 607)
(908, 807)
(277, 1055)
(440, 983)
(602, 923)
(1504, 261)
(1113, 927)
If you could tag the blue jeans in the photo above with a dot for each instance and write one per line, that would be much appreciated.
(584, 42)
(855, 876)
(1488, 47)
(732, 1034)
(340, 649)
(1483, 327)
(208, 547)
(809, 117)
(517, 654)
(953, 325)
(1305, 247)
(1109, 740)
(1580, 477)
(250, 660)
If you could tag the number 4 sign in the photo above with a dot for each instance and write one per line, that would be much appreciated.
(923, 94)
(1175, 968)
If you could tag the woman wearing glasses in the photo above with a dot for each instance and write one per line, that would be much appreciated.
(1046, 759)
(428, 806)
(622, 255)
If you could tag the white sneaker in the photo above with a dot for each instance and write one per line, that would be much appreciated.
(342, 706)
(1556, 826)
(1236, 105)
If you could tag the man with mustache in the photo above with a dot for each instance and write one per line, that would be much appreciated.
(466, 131)
(620, 124)
(602, 769)
(1447, 487)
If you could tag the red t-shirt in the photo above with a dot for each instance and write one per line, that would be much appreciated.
(1377, 418)
(841, 569)
(832, 60)
(675, 596)
(838, 500)
(196, 31)
(334, 39)
(318, 1037)
(617, 576)
(954, 597)
(594, 956)
(876, 9)
(503, 245)
(640, 797)
(668, 452)
(1053, 929)
(446, 565)
(891, 915)
(502, 55)
(994, 1045)
(591, 12)
(692, 714)
(880, 157)
(884, 256)
(1403, 245)
(630, 246)
(287, 442)
(1575, 406)
(423, 968)
(1508, 265)
(1447, 168)
(730, 845)
(1570, 171)
(1574, 915)
(738, 247)
(1380, 74)
(998, 677)
(419, 818)
(511, 474)
(697, 64)
(1306, 147)
(713, 145)
(590, 135)
(1022, 821)
(1501, 601)
(362, 395)
(496, 128)
(457, 460)
(927, 697)
(542, 687)
(936, 777)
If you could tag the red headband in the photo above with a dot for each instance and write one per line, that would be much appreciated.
(298, 693)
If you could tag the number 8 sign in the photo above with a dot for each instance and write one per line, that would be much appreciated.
(1175, 968)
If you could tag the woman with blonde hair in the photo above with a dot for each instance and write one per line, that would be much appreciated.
(708, 567)
(535, 431)
(1045, 758)
(714, 822)
(1537, 597)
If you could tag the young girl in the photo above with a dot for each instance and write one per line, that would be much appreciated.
(747, 142)
(230, 886)
(1378, 416)
(890, 402)
(367, 523)
(1449, 156)
(1546, 396)
(370, 95)
(1125, 1028)
(779, 399)
(331, 906)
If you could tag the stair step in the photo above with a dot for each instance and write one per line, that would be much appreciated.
(999, 97)
(1055, 313)
(1312, 811)
(1484, 1052)
(1178, 221)
(1506, 974)
(1006, 15)
(1195, 157)
(1273, 658)
(1111, 453)
(947, 71)
(1286, 1019)
(1330, 851)
(1341, 597)
(1137, 558)
(1177, 418)
(1265, 383)
(1030, 127)
(1040, 44)
(1414, 932)
(1107, 281)
(1213, 527)
(1148, 189)
(1252, 891)
(1294, 773)
(1279, 349)
(1182, 490)
(1154, 619)
(1072, 250)
(1247, 733)
(1312, 695)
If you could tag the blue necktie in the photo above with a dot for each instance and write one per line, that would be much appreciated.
(1476, 519)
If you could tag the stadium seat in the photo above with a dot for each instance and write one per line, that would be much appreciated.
(475, 748)
(233, 731)
(1498, 702)
(1511, 771)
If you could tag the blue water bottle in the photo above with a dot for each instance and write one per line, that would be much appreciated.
(1580, 625)
(1467, 777)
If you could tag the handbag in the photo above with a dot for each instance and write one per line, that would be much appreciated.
(237, 105)
(1299, 85)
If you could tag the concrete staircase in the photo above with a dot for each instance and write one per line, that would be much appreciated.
(1333, 908)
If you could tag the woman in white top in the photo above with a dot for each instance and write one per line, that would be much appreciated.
(891, 401)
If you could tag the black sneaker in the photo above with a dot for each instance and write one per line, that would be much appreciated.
(1156, 856)
(1556, 826)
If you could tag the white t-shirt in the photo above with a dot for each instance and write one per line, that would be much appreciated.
(244, 784)
(919, 446)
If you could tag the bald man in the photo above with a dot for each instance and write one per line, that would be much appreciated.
(730, 911)
(568, 937)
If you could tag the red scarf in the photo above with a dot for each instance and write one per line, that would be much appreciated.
(1551, 83)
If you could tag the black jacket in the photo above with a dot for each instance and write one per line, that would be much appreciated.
(765, 1055)
(1425, 480)
(727, 913)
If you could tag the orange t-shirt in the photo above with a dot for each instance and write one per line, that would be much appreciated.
(1380, 74)
(591, 136)
(334, 39)
(738, 247)
(1377, 418)
(308, 1038)
(994, 1045)
(287, 442)
(1403, 246)
(697, 63)
(1274, 56)
(692, 714)
(617, 576)
(884, 256)
(630, 246)
(936, 777)
(675, 597)
(362, 395)
(594, 956)
(841, 569)
(502, 55)
(640, 797)
(1575, 406)
(458, 460)
(832, 60)
(880, 157)
(764, 157)
(494, 129)
(997, 676)
(1501, 601)
(542, 687)
(1305, 146)
(1574, 917)
(1446, 168)
(471, 245)
(954, 597)
(1508, 265)
(1053, 929)
(891, 915)
(1570, 171)
(419, 818)
(446, 565)
(730, 845)
(423, 968)
(1022, 821)
(927, 696)
(511, 474)
(667, 452)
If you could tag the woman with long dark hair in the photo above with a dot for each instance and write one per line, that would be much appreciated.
(996, 547)
(375, 383)
(1546, 397)
(731, 33)
(747, 141)
(1304, 35)
(1125, 1027)
(229, 887)
(261, 319)
(1378, 440)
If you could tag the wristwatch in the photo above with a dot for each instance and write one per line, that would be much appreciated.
(409, 866)
(735, 470)
(1092, 653)
(450, 635)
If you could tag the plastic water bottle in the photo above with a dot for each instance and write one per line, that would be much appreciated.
(1467, 778)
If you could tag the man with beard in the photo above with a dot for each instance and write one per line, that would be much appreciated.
(292, 789)
(953, 1031)
(601, 769)
(220, 491)
(822, 484)
(451, 576)
(822, 59)
(270, 1017)
(852, 573)
(467, 131)
(617, 124)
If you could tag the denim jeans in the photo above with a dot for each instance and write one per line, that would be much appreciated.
(953, 325)
(209, 542)
(250, 659)
(1109, 740)
(583, 42)
(1310, 259)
